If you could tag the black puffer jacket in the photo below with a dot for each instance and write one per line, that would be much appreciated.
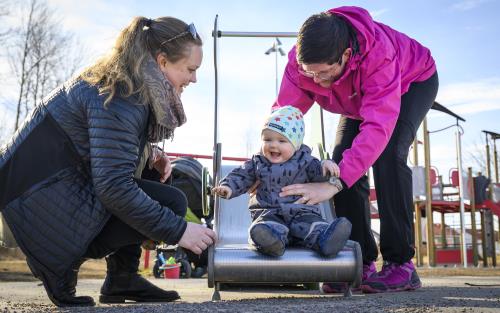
(69, 167)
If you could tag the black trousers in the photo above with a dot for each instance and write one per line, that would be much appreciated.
(124, 242)
(392, 177)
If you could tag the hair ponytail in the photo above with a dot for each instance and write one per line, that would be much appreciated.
(120, 72)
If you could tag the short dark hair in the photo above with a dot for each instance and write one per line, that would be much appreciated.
(323, 38)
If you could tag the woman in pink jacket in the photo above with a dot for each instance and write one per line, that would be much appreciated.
(382, 83)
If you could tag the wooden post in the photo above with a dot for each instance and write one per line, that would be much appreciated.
(475, 258)
(483, 241)
(418, 213)
(495, 159)
(428, 198)
(418, 235)
(488, 166)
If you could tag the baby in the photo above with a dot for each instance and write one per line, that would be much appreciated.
(283, 160)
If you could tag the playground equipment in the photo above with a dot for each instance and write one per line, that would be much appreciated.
(493, 136)
(437, 200)
(232, 260)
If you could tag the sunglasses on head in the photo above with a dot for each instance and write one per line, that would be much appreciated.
(190, 30)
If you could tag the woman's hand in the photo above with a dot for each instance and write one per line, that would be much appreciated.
(197, 238)
(330, 167)
(312, 193)
(161, 163)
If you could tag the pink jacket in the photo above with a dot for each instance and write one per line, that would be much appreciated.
(369, 90)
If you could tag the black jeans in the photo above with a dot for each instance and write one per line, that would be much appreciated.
(392, 177)
(124, 241)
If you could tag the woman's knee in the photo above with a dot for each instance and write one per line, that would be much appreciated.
(176, 200)
(181, 204)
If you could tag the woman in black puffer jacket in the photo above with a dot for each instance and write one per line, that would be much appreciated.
(68, 178)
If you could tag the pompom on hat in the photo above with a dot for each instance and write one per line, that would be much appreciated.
(289, 122)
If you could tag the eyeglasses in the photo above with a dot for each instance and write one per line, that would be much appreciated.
(323, 75)
(190, 30)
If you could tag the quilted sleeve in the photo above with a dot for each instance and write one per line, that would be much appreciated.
(114, 134)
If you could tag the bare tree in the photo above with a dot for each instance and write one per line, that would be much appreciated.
(4, 12)
(42, 58)
(477, 156)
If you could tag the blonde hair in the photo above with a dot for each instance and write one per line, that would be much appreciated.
(119, 72)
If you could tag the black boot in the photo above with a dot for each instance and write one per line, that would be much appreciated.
(124, 283)
(62, 289)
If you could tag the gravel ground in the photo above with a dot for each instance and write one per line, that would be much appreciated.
(439, 294)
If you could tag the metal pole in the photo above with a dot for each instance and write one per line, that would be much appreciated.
(322, 129)
(415, 151)
(276, 58)
(463, 246)
(475, 258)
(216, 105)
(428, 198)
(256, 34)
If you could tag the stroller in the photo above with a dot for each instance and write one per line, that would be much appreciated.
(187, 175)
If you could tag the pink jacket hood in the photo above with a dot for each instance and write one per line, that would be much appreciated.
(369, 90)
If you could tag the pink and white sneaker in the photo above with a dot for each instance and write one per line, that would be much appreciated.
(338, 287)
(393, 277)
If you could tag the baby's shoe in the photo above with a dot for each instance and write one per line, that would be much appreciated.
(267, 240)
(334, 237)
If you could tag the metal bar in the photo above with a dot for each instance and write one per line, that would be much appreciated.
(428, 198)
(216, 104)
(322, 128)
(415, 151)
(438, 107)
(255, 34)
(276, 66)
(475, 258)
(204, 156)
(463, 246)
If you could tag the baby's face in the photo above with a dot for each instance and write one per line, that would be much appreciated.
(276, 147)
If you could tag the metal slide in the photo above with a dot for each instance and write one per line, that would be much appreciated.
(232, 260)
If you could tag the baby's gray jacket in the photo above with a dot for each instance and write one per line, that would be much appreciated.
(302, 167)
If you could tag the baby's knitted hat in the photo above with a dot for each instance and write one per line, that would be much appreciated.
(289, 122)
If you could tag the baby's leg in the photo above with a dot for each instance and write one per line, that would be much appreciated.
(310, 230)
(305, 228)
(268, 234)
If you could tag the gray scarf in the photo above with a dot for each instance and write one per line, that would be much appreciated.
(165, 104)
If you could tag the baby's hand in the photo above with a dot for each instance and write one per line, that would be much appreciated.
(222, 191)
(330, 167)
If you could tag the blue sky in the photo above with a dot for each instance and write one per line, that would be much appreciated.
(460, 34)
